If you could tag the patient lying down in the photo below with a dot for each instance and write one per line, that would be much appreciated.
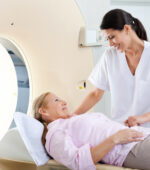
(81, 141)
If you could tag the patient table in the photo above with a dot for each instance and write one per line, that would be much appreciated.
(14, 156)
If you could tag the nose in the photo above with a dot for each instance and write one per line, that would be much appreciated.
(111, 43)
(64, 102)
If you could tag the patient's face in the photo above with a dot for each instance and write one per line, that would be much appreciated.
(55, 108)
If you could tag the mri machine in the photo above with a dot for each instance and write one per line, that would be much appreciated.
(46, 37)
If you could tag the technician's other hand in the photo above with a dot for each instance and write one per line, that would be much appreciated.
(133, 121)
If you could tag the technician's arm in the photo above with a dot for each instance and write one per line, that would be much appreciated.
(138, 120)
(91, 99)
(144, 118)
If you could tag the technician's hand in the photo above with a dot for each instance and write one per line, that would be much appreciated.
(133, 121)
(127, 136)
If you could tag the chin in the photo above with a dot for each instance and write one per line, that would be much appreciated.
(65, 116)
(121, 50)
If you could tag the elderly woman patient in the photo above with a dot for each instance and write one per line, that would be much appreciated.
(81, 141)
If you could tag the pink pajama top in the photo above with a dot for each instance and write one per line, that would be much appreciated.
(69, 141)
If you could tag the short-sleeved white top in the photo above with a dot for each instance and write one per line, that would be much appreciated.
(130, 94)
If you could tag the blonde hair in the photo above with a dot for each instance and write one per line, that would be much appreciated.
(40, 102)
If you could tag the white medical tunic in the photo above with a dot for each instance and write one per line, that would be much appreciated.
(130, 94)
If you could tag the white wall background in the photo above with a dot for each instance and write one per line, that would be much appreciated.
(93, 12)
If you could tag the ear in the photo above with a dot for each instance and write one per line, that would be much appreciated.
(42, 111)
(127, 28)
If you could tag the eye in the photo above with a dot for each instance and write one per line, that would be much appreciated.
(56, 100)
(110, 37)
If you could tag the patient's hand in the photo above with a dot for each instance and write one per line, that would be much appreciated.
(133, 121)
(127, 136)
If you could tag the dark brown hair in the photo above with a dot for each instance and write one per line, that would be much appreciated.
(117, 18)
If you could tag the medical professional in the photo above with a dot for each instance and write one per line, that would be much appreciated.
(123, 69)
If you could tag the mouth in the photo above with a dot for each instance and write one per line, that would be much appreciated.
(64, 108)
(117, 46)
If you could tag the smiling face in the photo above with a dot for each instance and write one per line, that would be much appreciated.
(119, 39)
(55, 108)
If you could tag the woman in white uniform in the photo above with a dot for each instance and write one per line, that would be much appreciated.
(123, 69)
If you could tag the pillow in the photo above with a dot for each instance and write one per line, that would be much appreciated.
(31, 131)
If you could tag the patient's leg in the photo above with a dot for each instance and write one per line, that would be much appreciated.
(139, 156)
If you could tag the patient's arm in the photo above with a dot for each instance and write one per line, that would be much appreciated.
(63, 150)
(121, 137)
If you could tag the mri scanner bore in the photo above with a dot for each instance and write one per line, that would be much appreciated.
(17, 80)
